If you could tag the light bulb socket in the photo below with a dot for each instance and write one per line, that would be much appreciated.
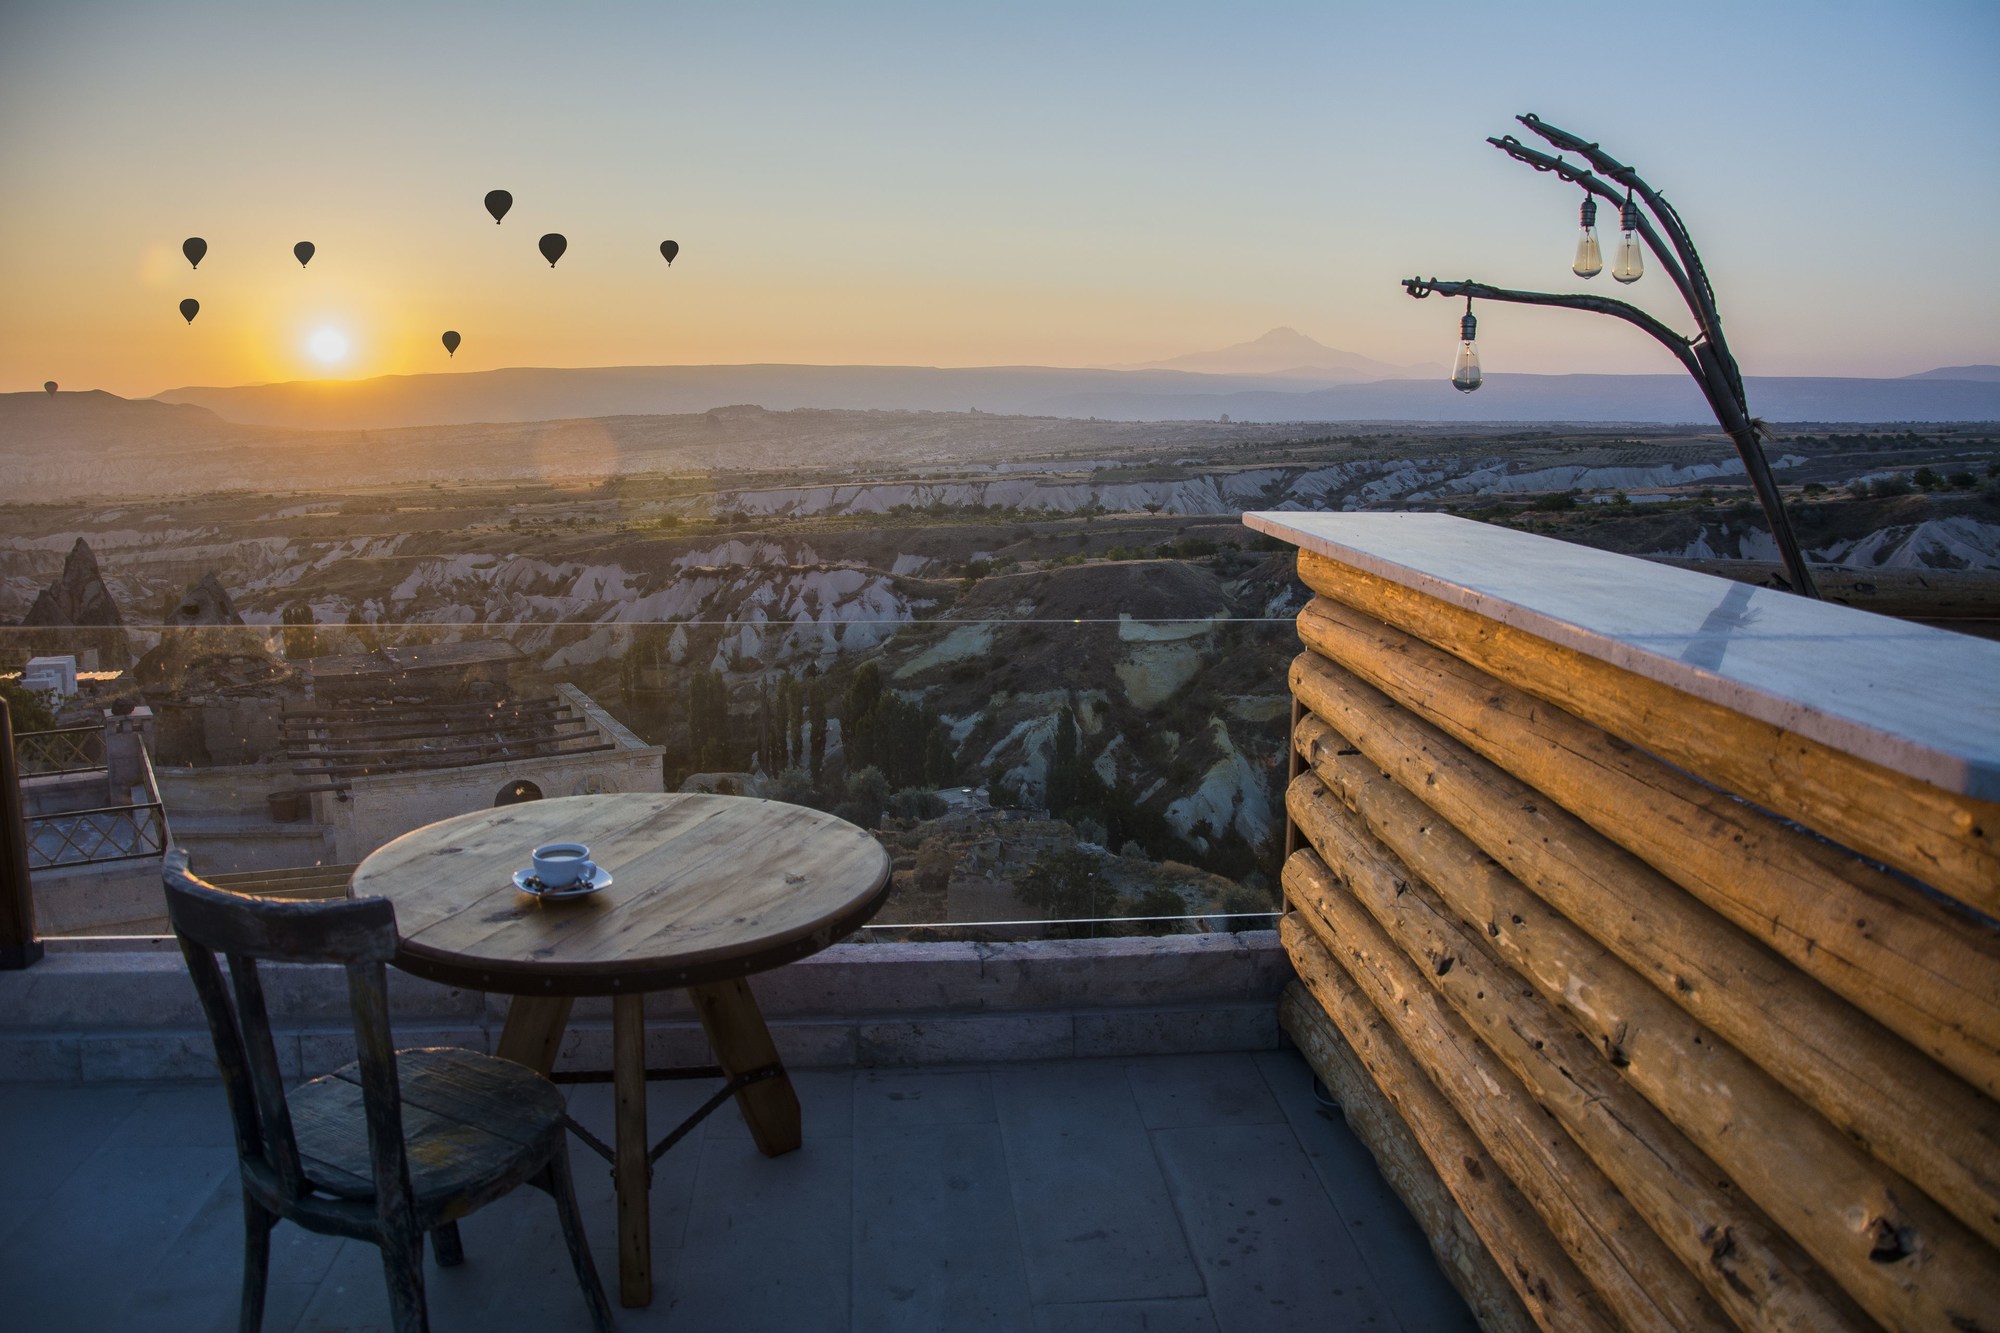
(1589, 211)
(1628, 216)
(1467, 326)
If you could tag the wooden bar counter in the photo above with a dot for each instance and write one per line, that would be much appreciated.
(1668, 899)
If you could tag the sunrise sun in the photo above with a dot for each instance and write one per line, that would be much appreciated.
(328, 346)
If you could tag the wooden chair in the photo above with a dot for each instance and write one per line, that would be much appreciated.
(387, 1148)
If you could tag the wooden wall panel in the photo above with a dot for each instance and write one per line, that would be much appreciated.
(1416, 1138)
(1903, 1108)
(1950, 842)
(1927, 972)
(1639, 1279)
(1755, 1139)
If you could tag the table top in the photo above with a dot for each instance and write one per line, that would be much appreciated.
(1919, 701)
(704, 888)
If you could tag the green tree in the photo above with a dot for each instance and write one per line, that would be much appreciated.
(301, 639)
(867, 798)
(1062, 787)
(860, 718)
(709, 742)
(363, 633)
(1062, 886)
(816, 727)
(29, 709)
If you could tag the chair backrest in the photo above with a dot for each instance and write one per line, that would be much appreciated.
(358, 934)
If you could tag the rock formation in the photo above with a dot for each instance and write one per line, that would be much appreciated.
(77, 597)
(206, 603)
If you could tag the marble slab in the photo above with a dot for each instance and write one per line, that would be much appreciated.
(1919, 701)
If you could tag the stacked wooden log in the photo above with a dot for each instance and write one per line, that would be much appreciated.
(1631, 994)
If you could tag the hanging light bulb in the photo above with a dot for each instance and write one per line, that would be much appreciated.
(1465, 370)
(1631, 265)
(1589, 259)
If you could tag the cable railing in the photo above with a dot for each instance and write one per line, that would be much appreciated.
(1112, 771)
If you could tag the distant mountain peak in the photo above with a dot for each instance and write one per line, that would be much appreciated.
(1286, 353)
(1983, 373)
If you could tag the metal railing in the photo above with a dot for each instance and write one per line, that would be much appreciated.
(64, 750)
(93, 837)
(133, 832)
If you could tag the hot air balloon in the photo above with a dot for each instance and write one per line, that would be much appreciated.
(497, 203)
(451, 341)
(669, 249)
(49, 387)
(189, 309)
(194, 248)
(552, 246)
(304, 250)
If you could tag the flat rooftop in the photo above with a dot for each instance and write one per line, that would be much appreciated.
(1173, 1194)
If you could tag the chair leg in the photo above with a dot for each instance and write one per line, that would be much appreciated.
(403, 1265)
(562, 1188)
(257, 1224)
(445, 1244)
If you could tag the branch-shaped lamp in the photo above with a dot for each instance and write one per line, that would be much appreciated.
(1647, 222)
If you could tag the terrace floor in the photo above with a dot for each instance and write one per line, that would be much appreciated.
(1170, 1194)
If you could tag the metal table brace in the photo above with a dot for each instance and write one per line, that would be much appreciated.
(724, 1093)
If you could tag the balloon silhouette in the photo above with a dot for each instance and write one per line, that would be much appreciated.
(50, 387)
(194, 248)
(451, 341)
(553, 246)
(189, 309)
(497, 203)
(304, 250)
(670, 249)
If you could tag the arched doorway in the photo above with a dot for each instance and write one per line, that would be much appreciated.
(517, 791)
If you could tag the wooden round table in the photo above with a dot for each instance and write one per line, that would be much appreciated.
(705, 891)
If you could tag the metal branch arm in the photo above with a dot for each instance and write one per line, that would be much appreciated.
(1663, 254)
(1682, 348)
(1695, 288)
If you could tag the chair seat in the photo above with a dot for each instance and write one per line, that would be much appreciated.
(474, 1126)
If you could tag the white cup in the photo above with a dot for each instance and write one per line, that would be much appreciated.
(559, 865)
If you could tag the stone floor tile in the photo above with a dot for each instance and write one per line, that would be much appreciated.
(1063, 1184)
(1182, 1091)
(1096, 1220)
(50, 1131)
(211, 1245)
(1247, 1196)
(887, 1100)
(130, 1200)
(769, 1240)
(1390, 1241)
(826, 1106)
(935, 1245)
(183, 1113)
(1183, 1316)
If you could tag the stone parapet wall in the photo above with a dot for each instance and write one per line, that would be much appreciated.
(105, 1015)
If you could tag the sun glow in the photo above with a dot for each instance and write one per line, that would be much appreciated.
(328, 346)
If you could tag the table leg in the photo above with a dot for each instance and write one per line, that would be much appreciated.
(742, 1043)
(633, 1168)
(533, 1031)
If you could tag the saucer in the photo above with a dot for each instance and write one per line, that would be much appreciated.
(598, 878)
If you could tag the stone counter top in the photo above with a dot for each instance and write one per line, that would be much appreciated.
(1920, 701)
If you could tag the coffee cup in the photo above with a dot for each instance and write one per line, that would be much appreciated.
(559, 865)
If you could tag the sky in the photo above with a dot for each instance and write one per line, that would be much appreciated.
(969, 183)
